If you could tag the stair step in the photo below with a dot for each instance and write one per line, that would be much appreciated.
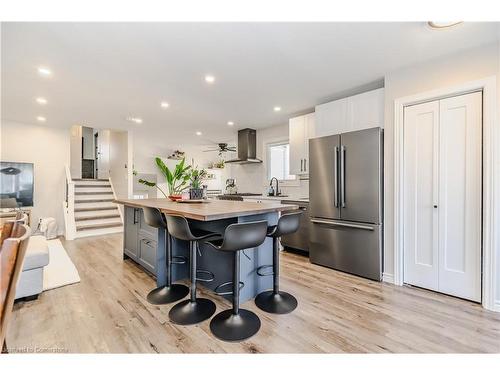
(99, 213)
(99, 197)
(98, 221)
(83, 209)
(98, 226)
(96, 217)
(90, 179)
(92, 186)
(93, 192)
(92, 200)
(98, 232)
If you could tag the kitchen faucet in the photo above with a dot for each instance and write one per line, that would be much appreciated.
(272, 191)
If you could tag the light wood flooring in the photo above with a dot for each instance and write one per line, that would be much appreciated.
(107, 312)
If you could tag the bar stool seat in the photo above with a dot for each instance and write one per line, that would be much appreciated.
(194, 310)
(276, 301)
(237, 324)
(169, 292)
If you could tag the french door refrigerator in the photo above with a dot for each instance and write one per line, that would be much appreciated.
(346, 208)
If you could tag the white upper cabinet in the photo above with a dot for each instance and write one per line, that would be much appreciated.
(301, 129)
(331, 118)
(356, 112)
(366, 110)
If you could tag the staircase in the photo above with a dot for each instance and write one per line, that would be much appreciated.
(90, 210)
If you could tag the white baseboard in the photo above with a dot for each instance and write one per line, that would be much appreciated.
(496, 306)
(388, 278)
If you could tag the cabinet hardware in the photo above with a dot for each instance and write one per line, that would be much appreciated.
(341, 224)
(301, 161)
(336, 177)
(342, 177)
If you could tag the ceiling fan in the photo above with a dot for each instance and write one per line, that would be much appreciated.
(221, 148)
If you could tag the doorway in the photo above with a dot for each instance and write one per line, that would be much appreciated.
(442, 195)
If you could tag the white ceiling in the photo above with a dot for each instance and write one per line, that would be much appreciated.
(104, 72)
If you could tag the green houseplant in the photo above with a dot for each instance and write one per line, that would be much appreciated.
(177, 180)
(196, 177)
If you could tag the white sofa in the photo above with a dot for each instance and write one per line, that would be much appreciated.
(31, 280)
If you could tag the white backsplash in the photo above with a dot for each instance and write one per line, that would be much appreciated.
(251, 178)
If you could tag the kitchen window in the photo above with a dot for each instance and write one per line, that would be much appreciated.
(278, 161)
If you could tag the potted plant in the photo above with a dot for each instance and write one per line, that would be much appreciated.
(196, 177)
(177, 180)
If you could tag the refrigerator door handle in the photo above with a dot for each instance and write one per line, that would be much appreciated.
(342, 224)
(342, 176)
(336, 177)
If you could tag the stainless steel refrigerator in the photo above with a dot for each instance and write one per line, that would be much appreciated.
(346, 208)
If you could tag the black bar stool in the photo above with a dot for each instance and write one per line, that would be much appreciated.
(238, 324)
(194, 310)
(275, 301)
(170, 292)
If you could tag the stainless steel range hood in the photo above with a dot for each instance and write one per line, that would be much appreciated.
(247, 147)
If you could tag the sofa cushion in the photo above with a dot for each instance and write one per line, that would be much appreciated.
(37, 253)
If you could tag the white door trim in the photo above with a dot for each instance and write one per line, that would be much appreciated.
(491, 181)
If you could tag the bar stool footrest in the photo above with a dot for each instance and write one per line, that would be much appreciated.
(210, 277)
(179, 259)
(261, 271)
(221, 286)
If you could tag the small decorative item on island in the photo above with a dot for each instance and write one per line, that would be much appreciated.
(197, 176)
(177, 180)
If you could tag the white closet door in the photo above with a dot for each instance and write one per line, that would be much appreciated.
(460, 196)
(421, 130)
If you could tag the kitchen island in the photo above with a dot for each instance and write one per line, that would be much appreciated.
(146, 245)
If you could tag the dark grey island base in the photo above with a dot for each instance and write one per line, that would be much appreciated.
(146, 246)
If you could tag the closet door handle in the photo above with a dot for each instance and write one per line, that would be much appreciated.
(305, 165)
(301, 163)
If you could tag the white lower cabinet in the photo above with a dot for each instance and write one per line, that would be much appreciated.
(442, 195)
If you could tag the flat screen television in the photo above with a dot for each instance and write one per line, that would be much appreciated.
(16, 184)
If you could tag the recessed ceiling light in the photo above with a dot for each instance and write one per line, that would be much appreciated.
(199, 133)
(44, 71)
(277, 109)
(230, 123)
(137, 120)
(209, 79)
(41, 118)
(164, 105)
(41, 101)
(443, 25)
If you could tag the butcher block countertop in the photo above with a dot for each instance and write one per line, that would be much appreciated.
(209, 210)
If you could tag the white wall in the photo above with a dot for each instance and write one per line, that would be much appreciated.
(119, 163)
(444, 72)
(103, 150)
(252, 178)
(75, 165)
(48, 148)
(148, 146)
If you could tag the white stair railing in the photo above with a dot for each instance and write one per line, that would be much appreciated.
(69, 207)
(119, 206)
